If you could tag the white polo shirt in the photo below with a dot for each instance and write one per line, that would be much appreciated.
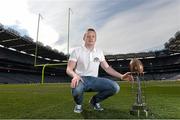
(87, 62)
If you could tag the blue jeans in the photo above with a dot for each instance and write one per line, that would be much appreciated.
(105, 88)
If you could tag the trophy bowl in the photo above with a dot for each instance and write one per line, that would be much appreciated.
(136, 66)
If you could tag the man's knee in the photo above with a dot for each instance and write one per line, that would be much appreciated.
(116, 88)
(113, 86)
(77, 91)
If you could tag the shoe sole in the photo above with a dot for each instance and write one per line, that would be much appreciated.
(77, 111)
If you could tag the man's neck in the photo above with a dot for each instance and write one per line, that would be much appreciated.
(89, 47)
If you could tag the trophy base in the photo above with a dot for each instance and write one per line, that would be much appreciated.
(139, 110)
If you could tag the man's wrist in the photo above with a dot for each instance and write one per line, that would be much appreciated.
(121, 76)
(72, 74)
(75, 75)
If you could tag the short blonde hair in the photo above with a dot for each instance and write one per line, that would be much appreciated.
(89, 29)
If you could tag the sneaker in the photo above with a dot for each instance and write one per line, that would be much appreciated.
(96, 106)
(78, 108)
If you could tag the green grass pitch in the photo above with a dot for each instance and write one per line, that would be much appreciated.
(50, 101)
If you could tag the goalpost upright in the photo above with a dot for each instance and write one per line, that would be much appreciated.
(36, 49)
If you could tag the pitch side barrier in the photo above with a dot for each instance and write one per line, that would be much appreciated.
(47, 65)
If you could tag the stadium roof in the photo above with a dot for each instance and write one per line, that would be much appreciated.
(171, 47)
(174, 43)
(10, 38)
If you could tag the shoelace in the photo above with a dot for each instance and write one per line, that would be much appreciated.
(98, 105)
(78, 107)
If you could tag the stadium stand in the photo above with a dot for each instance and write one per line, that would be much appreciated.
(174, 43)
(159, 65)
(17, 59)
(17, 55)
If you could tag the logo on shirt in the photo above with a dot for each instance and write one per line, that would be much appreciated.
(96, 59)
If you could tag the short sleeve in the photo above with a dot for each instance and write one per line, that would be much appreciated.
(102, 58)
(73, 55)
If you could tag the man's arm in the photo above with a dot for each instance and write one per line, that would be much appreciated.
(70, 68)
(112, 72)
(70, 71)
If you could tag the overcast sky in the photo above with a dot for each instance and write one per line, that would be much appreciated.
(123, 26)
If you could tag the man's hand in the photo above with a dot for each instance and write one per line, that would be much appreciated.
(75, 81)
(127, 76)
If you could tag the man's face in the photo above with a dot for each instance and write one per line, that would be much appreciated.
(90, 38)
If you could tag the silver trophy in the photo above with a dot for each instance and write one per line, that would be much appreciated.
(139, 107)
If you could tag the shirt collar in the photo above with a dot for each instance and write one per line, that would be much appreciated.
(84, 47)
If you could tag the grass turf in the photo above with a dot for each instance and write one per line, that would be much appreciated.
(55, 101)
